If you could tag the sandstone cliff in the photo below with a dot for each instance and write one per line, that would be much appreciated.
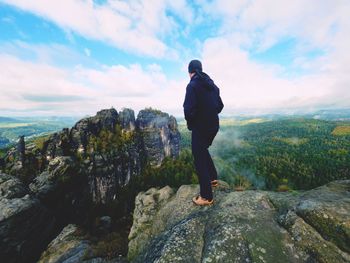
(60, 179)
(54, 183)
(25, 224)
(109, 148)
(249, 226)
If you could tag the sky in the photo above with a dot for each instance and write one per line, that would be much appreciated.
(75, 57)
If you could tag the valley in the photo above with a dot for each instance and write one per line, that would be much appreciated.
(80, 184)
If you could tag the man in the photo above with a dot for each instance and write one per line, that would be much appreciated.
(201, 107)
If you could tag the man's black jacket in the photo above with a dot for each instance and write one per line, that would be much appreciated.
(202, 104)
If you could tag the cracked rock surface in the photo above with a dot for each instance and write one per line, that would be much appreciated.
(24, 222)
(248, 226)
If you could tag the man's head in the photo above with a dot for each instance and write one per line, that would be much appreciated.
(194, 66)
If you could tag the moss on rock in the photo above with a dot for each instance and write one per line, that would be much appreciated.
(248, 226)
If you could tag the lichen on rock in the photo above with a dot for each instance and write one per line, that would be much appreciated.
(25, 224)
(68, 246)
(248, 226)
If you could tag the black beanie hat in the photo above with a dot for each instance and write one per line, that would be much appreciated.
(195, 65)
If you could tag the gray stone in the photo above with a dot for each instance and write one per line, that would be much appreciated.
(72, 245)
(161, 137)
(67, 247)
(127, 119)
(248, 226)
(111, 148)
(11, 187)
(146, 206)
(21, 149)
(50, 186)
(25, 225)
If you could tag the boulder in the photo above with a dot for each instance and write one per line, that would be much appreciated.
(25, 225)
(73, 245)
(63, 189)
(248, 226)
(61, 170)
(324, 216)
(76, 172)
(68, 246)
(11, 187)
(146, 205)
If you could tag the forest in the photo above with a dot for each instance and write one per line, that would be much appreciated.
(30, 127)
(286, 154)
(256, 153)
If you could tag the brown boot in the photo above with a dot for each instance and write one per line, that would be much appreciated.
(214, 183)
(198, 200)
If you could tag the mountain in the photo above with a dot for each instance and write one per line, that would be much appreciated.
(79, 195)
(335, 114)
(248, 226)
(296, 153)
(6, 119)
(77, 174)
(30, 127)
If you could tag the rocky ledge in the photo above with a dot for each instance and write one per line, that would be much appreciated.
(79, 176)
(25, 224)
(248, 226)
(110, 149)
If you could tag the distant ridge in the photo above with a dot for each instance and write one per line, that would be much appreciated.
(6, 119)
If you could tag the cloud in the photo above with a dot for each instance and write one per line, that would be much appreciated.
(29, 88)
(134, 26)
(50, 98)
(50, 54)
(263, 23)
(236, 30)
(248, 84)
(256, 26)
(36, 87)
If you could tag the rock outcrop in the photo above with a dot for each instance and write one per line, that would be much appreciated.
(21, 149)
(127, 119)
(68, 246)
(110, 148)
(248, 226)
(72, 245)
(25, 224)
(158, 128)
(74, 175)
(62, 188)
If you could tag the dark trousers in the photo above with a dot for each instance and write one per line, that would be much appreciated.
(202, 160)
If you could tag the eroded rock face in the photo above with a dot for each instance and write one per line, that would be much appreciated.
(146, 205)
(84, 129)
(325, 209)
(127, 119)
(11, 187)
(249, 226)
(73, 171)
(25, 225)
(110, 148)
(72, 245)
(161, 137)
(21, 149)
(68, 246)
(63, 189)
